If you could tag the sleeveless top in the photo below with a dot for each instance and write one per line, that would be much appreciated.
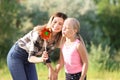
(72, 60)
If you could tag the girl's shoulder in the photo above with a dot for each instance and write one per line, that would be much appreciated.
(79, 43)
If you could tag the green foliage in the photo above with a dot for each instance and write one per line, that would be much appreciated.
(80, 9)
(54, 56)
(100, 58)
(8, 13)
(15, 20)
(109, 19)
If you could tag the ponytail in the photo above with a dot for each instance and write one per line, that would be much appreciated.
(80, 38)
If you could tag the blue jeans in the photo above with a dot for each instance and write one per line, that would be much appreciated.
(19, 66)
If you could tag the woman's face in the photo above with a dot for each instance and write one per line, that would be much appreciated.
(68, 30)
(57, 24)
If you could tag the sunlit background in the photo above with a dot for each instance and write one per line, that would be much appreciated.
(100, 29)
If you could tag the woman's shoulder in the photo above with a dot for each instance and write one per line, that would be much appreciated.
(39, 27)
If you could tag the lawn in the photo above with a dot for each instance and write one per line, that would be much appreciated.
(43, 72)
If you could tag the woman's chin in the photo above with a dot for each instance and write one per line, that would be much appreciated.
(56, 30)
(63, 35)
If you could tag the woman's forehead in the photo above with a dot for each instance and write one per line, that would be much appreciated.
(59, 19)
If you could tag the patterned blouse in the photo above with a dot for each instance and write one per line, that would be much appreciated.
(34, 45)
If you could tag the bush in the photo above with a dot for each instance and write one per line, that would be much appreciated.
(102, 59)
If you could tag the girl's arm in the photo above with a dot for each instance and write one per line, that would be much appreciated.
(84, 57)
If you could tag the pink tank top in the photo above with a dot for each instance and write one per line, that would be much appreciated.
(72, 60)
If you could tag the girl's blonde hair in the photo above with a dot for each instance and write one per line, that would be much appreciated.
(72, 22)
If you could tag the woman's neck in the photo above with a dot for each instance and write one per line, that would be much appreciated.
(52, 38)
(54, 34)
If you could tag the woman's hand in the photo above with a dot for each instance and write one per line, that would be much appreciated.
(44, 56)
(50, 76)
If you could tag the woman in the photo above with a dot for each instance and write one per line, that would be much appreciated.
(23, 54)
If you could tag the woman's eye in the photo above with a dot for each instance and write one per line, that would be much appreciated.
(60, 24)
(55, 22)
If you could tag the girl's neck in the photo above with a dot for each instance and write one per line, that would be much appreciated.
(70, 40)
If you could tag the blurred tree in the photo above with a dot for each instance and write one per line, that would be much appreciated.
(15, 20)
(109, 18)
(83, 10)
(8, 13)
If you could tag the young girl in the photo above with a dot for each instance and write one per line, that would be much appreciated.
(24, 52)
(74, 51)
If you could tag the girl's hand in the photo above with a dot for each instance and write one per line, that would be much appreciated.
(55, 76)
(81, 78)
(52, 75)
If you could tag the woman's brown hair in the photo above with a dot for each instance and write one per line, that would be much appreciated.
(59, 35)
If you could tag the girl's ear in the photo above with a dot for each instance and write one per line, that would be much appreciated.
(75, 30)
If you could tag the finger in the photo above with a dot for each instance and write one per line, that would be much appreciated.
(45, 52)
(44, 55)
(45, 59)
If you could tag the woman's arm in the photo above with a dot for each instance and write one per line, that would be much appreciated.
(33, 36)
(35, 59)
(60, 63)
(53, 73)
(84, 57)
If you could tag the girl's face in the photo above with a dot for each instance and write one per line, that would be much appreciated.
(68, 30)
(57, 24)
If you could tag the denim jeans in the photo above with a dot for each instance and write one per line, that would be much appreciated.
(19, 66)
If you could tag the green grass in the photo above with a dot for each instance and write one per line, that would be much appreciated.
(103, 75)
(43, 73)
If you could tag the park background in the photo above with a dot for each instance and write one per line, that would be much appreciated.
(100, 29)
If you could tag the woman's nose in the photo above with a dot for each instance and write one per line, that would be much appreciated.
(56, 25)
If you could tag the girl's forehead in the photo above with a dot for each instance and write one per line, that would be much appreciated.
(68, 22)
(67, 26)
